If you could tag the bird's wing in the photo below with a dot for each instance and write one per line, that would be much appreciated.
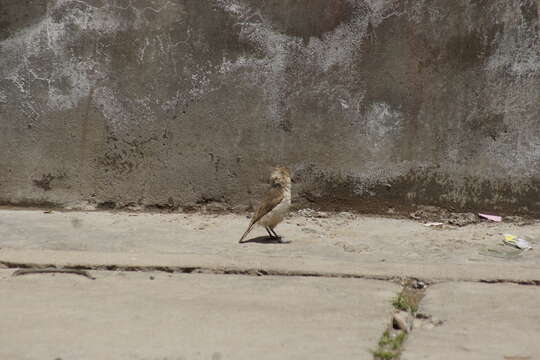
(273, 197)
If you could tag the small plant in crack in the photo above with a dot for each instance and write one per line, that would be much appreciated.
(405, 306)
(394, 342)
(404, 303)
(383, 355)
(389, 345)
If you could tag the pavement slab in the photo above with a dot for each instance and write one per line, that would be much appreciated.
(479, 322)
(336, 244)
(150, 316)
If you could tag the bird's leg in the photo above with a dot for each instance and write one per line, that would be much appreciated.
(269, 232)
(274, 234)
(279, 237)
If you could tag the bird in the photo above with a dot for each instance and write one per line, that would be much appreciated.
(275, 204)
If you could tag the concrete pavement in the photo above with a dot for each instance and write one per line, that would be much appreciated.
(328, 294)
(163, 316)
(480, 321)
(343, 237)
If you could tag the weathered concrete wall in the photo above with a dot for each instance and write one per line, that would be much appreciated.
(373, 103)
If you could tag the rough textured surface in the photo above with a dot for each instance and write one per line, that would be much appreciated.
(480, 322)
(373, 103)
(357, 241)
(179, 317)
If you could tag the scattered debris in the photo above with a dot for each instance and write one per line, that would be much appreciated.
(434, 224)
(83, 205)
(48, 271)
(310, 213)
(519, 220)
(135, 207)
(512, 246)
(216, 207)
(462, 219)
(432, 214)
(425, 321)
(346, 215)
(491, 217)
(351, 248)
(516, 242)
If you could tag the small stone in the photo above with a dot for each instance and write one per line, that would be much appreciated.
(402, 320)
(437, 322)
(135, 207)
(152, 278)
(346, 215)
(422, 316)
(310, 213)
(215, 206)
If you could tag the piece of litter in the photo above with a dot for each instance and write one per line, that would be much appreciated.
(429, 224)
(517, 242)
(491, 217)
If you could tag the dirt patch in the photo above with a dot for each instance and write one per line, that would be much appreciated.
(45, 182)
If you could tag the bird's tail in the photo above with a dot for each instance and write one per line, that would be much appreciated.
(247, 232)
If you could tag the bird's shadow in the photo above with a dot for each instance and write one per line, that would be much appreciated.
(263, 240)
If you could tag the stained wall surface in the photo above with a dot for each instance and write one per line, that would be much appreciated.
(372, 103)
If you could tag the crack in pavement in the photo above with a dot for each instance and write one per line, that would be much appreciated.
(252, 272)
(198, 270)
(405, 318)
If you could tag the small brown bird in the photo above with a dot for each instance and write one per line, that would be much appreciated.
(274, 206)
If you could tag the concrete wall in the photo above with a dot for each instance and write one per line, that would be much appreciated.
(373, 103)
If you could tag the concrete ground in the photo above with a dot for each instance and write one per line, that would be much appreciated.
(480, 321)
(179, 286)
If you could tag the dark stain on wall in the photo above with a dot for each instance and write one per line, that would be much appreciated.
(306, 18)
(14, 17)
(418, 188)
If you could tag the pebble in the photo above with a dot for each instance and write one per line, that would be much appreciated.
(402, 320)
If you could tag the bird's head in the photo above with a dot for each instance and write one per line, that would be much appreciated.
(280, 177)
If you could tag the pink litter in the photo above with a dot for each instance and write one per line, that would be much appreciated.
(491, 217)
